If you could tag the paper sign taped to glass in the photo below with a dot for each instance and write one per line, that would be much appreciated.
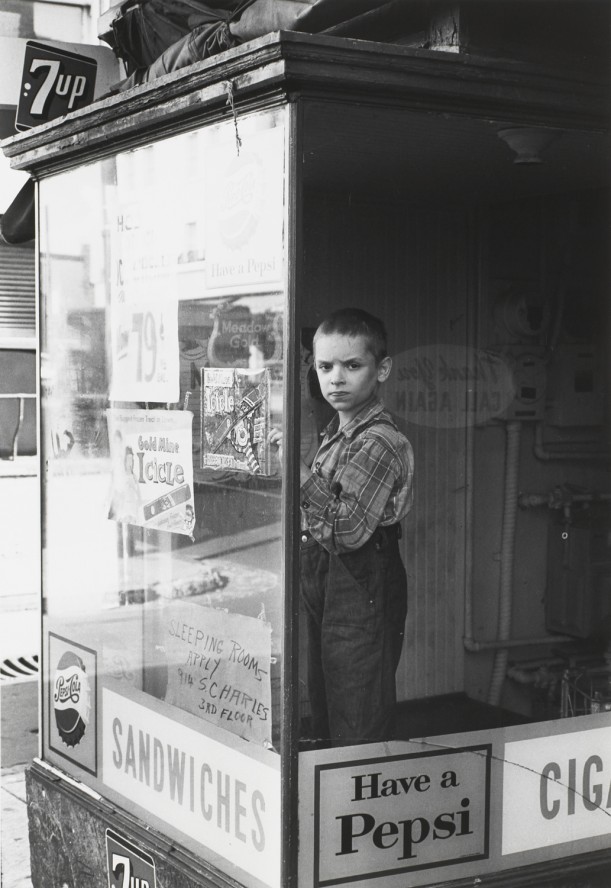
(144, 351)
(245, 210)
(235, 419)
(219, 668)
(152, 470)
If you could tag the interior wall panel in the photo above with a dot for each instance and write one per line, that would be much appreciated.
(410, 266)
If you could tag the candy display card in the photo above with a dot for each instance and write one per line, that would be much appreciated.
(235, 419)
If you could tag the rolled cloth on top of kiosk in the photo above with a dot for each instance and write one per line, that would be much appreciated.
(157, 37)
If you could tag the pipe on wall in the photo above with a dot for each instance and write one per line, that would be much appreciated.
(502, 643)
(510, 510)
(470, 643)
(546, 454)
(477, 646)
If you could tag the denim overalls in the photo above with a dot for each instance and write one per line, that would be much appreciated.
(354, 607)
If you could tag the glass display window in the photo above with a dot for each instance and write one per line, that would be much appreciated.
(182, 282)
(163, 278)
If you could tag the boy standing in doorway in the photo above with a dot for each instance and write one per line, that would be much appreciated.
(353, 582)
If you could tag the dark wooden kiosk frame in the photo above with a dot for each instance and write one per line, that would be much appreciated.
(377, 124)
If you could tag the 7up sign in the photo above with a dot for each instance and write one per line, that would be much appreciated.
(128, 866)
(54, 82)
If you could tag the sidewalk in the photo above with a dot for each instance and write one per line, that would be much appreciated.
(19, 636)
(19, 546)
(14, 825)
(19, 732)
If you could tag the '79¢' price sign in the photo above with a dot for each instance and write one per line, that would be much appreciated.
(54, 82)
(144, 351)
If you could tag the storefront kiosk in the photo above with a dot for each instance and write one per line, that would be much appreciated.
(192, 233)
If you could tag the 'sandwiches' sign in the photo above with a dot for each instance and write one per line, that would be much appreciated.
(213, 792)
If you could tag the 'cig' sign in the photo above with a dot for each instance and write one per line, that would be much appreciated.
(54, 82)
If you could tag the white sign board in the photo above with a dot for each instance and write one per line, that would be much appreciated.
(214, 793)
(401, 813)
(556, 789)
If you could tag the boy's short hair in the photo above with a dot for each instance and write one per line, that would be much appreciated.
(356, 322)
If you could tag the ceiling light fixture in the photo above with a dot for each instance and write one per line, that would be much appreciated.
(528, 142)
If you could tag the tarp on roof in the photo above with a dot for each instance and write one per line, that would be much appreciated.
(155, 37)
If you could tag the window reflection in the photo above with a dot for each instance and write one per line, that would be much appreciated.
(161, 380)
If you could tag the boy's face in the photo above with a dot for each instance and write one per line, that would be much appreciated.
(347, 372)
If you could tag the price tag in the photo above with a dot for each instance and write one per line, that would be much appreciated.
(128, 866)
(54, 82)
(145, 353)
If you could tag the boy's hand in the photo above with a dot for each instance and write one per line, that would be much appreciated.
(275, 438)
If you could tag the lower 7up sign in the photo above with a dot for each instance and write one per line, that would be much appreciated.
(54, 82)
(128, 866)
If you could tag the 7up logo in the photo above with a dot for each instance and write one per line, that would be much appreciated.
(128, 866)
(54, 82)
